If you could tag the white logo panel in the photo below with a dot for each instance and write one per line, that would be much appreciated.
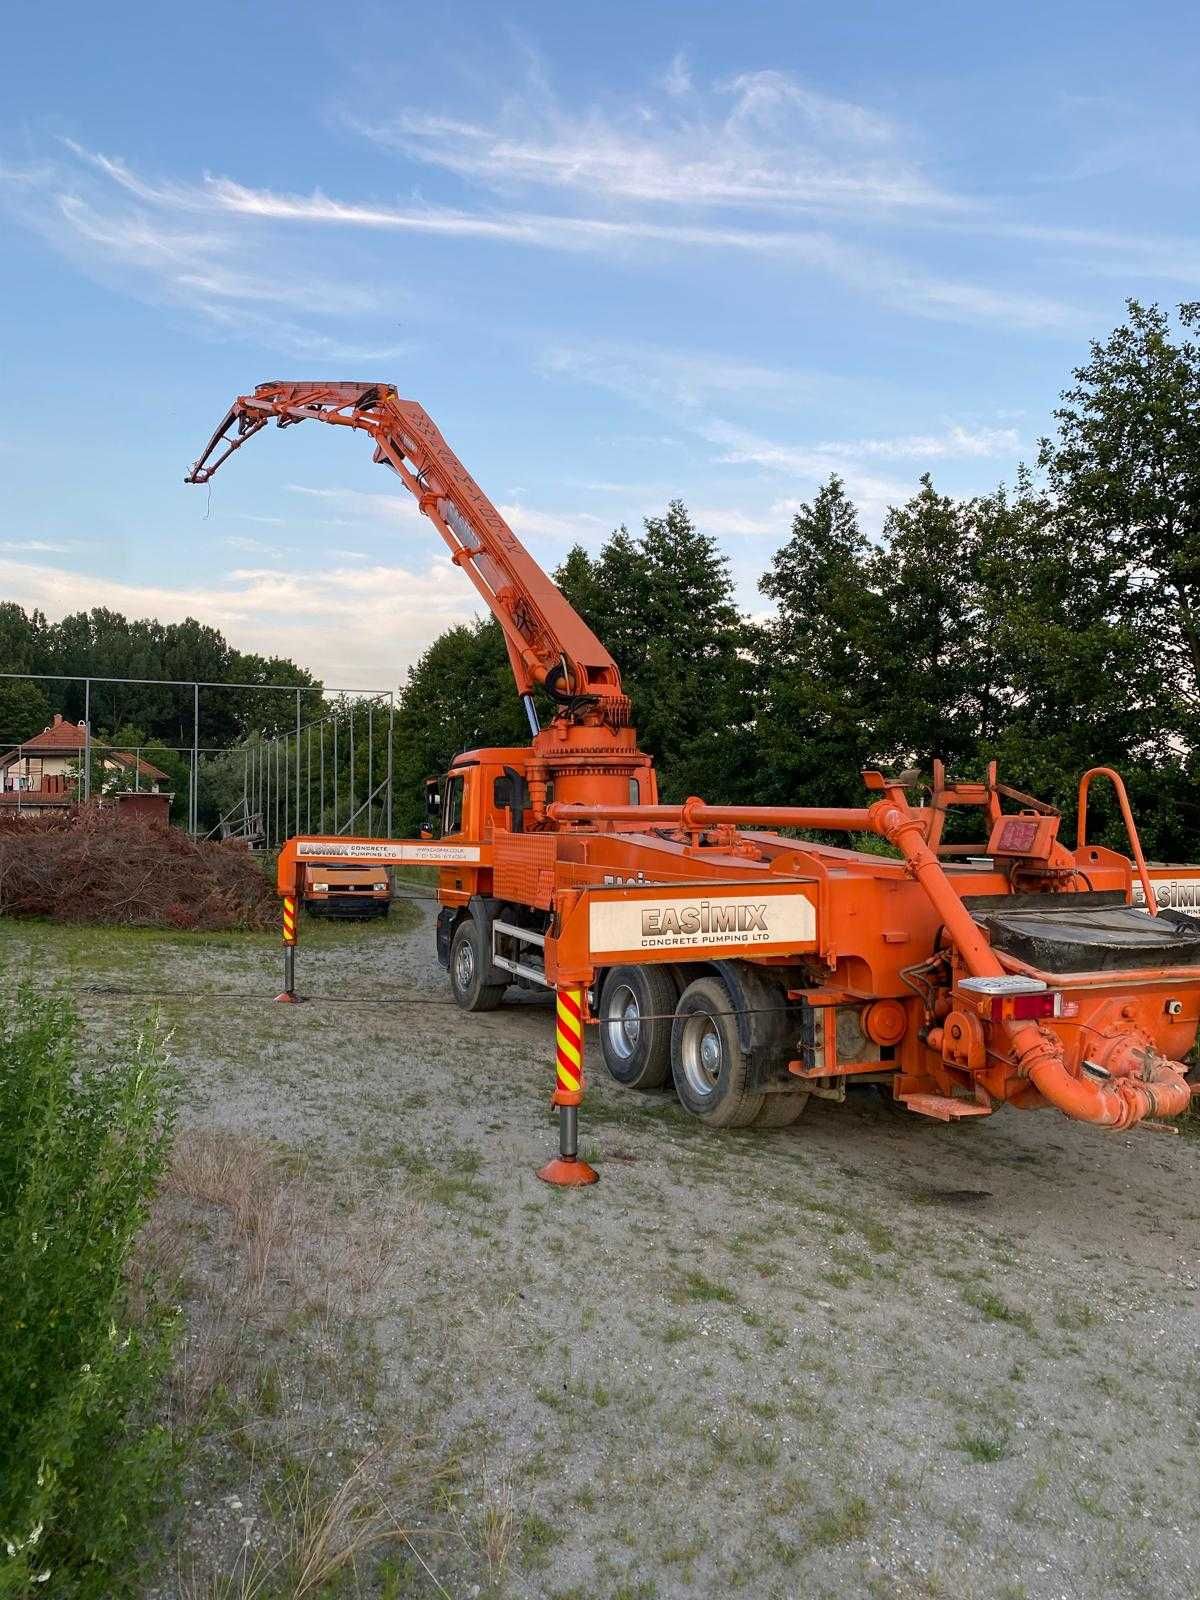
(690, 923)
(358, 850)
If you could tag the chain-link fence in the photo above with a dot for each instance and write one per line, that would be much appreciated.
(287, 758)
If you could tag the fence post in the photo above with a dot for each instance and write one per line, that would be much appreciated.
(87, 738)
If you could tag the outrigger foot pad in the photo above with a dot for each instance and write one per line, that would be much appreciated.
(568, 1173)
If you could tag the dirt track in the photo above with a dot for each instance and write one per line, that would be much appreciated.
(868, 1355)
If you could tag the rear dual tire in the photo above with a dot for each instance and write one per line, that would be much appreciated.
(713, 1072)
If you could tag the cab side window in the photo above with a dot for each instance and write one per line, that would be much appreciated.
(452, 810)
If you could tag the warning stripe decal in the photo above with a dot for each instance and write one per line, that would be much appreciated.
(569, 1040)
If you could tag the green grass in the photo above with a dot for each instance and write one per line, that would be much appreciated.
(699, 1288)
(982, 1448)
(996, 1309)
(841, 1524)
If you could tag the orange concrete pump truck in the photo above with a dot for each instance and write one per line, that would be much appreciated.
(753, 968)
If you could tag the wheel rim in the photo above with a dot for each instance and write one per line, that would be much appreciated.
(701, 1053)
(464, 965)
(622, 1022)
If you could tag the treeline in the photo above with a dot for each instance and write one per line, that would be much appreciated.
(105, 644)
(1050, 625)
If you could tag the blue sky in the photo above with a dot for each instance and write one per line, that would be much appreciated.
(620, 252)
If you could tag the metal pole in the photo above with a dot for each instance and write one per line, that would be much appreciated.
(321, 765)
(196, 757)
(137, 768)
(391, 741)
(278, 835)
(87, 738)
(350, 774)
(370, 770)
(308, 779)
(335, 772)
(297, 761)
(287, 764)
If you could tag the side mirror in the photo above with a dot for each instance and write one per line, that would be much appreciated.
(511, 793)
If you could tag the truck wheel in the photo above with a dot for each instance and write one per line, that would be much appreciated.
(708, 1063)
(467, 967)
(780, 1110)
(636, 1006)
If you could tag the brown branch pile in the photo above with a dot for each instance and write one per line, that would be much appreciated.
(93, 865)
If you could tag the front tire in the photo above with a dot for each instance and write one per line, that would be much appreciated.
(709, 1066)
(468, 963)
(637, 1005)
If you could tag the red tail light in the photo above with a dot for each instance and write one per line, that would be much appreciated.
(1026, 1007)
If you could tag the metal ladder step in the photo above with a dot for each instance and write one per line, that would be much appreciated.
(943, 1107)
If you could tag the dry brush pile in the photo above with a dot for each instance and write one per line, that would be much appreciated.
(91, 865)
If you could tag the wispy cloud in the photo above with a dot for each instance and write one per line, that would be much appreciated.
(257, 547)
(168, 244)
(39, 546)
(956, 442)
(762, 140)
(651, 375)
(202, 245)
(362, 505)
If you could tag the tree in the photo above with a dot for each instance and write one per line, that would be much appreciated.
(24, 711)
(1124, 472)
(458, 696)
(818, 711)
(662, 604)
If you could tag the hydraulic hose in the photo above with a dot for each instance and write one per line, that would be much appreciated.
(1159, 1090)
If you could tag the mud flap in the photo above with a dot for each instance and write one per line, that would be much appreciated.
(761, 1015)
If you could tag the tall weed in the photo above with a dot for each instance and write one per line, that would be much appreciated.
(83, 1144)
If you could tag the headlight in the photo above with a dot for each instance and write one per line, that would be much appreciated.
(321, 888)
(381, 885)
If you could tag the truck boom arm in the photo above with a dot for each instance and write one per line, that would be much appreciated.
(548, 642)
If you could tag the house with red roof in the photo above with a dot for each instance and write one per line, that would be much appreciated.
(43, 773)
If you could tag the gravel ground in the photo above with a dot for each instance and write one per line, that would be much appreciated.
(867, 1355)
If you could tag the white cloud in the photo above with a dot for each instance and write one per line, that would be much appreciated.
(170, 245)
(257, 547)
(529, 523)
(39, 546)
(677, 79)
(956, 442)
(762, 140)
(201, 246)
(356, 627)
(652, 375)
(363, 505)
(812, 465)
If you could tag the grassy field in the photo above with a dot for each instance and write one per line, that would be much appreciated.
(869, 1355)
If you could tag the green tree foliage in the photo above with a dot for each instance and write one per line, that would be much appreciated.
(1050, 626)
(819, 698)
(459, 695)
(24, 710)
(102, 643)
(663, 604)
